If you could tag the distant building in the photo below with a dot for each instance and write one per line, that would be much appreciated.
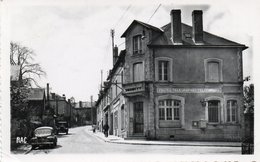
(179, 82)
(36, 104)
(57, 107)
(82, 113)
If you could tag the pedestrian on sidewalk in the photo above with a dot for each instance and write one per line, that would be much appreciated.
(94, 128)
(106, 128)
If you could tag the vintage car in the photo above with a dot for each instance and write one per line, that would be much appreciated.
(62, 127)
(43, 136)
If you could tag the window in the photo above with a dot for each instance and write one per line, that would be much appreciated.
(232, 110)
(137, 44)
(213, 111)
(169, 109)
(213, 70)
(163, 70)
(138, 72)
(161, 114)
(176, 110)
(168, 113)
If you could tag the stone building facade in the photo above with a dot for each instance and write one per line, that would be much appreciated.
(181, 82)
(110, 104)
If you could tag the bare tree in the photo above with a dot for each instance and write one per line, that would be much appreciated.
(24, 58)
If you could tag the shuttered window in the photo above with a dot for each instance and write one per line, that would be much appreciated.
(213, 72)
(138, 72)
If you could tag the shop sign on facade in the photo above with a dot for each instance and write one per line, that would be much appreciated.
(188, 90)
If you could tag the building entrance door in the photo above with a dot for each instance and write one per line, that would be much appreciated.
(138, 118)
(111, 125)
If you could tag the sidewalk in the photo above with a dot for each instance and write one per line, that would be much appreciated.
(119, 140)
(23, 149)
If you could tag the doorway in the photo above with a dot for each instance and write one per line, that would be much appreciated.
(138, 118)
(111, 125)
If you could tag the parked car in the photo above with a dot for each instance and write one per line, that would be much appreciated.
(62, 127)
(43, 136)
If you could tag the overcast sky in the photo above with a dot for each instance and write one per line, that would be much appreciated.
(73, 43)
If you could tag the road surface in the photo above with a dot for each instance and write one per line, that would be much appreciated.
(82, 140)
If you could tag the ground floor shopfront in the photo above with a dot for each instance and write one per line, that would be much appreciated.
(212, 113)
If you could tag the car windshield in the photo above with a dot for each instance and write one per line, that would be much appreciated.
(43, 132)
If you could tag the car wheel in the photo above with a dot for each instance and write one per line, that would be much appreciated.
(33, 147)
(54, 144)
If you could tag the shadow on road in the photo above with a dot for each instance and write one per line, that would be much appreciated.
(47, 147)
(64, 135)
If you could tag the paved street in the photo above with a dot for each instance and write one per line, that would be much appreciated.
(82, 140)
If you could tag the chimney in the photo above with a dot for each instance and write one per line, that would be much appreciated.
(91, 100)
(53, 96)
(115, 54)
(176, 30)
(64, 96)
(48, 92)
(197, 26)
(80, 104)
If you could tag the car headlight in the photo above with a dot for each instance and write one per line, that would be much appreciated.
(50, 137)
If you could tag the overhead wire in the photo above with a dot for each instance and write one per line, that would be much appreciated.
(154, 13)
(122, 16)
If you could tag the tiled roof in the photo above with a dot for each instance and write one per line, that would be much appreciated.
(163, 37)
(36, 94)
(85, 104)
(143, 24)
(208, 38)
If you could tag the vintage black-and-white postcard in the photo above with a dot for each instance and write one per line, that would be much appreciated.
(128, 80)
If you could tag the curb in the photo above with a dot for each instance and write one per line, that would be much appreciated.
(93, 134)
(174, 144)
(166, 144)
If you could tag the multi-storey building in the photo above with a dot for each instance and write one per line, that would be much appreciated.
(110, 105)
(181, 82)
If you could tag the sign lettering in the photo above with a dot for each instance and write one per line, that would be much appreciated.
(188, 90)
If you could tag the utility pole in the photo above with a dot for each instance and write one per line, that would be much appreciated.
(113, 52)
(112, 35)
(101, 80)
